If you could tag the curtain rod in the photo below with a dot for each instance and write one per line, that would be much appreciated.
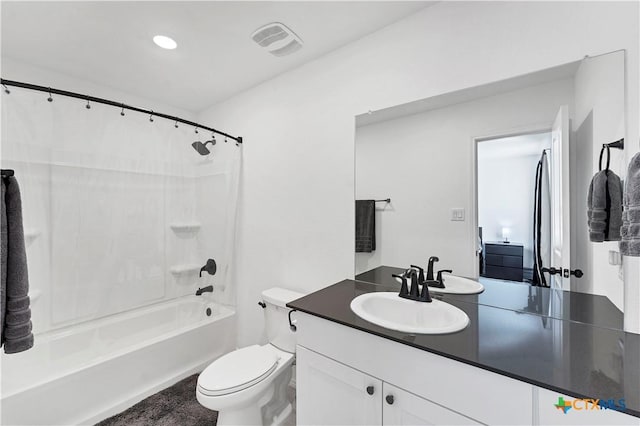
(151, 113)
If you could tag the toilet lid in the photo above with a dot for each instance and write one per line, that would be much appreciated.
(237, 370)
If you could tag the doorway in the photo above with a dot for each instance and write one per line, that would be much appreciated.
(506, 168)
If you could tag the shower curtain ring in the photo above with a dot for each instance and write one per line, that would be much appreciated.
(88, 106)
(196, 129)
(151, 117)
(6, 89)
(176, 125)
(50, 98)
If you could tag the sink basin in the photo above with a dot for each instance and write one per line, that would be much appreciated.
(457, 285)
(390, 311)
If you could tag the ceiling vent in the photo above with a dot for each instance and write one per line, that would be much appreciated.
(277, 39)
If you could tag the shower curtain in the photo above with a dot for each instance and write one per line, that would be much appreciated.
(119, 212)
(541, 222)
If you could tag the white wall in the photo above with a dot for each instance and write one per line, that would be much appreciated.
(424, 163)
(599, 118)
(297, 212)
(101, 192)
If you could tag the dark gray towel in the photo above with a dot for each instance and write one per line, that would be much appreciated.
(365, 226)
(604, 207)
(15, 333)
(630, 244)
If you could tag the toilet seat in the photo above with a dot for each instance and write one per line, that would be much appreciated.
(237, 370)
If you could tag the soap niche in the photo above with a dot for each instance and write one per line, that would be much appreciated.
(185, 229)
(185, 274)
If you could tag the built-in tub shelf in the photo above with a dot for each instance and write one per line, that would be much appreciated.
(30, 235)
(186, 269)
(185, 227)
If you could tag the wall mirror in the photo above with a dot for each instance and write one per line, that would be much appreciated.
(491, 178)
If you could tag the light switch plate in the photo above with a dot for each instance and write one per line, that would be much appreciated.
(457, 214)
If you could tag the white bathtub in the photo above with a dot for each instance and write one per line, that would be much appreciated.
(85, 373)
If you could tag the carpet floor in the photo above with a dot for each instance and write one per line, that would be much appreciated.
(175, 405)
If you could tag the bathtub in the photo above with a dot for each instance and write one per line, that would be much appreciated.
(86, 373)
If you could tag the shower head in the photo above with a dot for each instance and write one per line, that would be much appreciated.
(202, 147)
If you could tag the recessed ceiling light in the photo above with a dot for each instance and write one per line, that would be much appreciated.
(165, 42)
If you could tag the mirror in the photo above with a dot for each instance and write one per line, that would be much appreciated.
(459, 171)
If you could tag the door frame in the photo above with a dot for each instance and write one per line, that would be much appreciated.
(530, 129)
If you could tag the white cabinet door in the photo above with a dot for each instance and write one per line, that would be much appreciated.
(330, 393)
(558, 409)
(404, 408)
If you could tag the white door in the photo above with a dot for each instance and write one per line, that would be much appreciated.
(560, 201)
(335, 394)
(404, 408)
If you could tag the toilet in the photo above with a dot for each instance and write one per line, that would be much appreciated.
(249, 385)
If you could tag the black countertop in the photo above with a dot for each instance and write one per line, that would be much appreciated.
(572, 306)
(577, 359)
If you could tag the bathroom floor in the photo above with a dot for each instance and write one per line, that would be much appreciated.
(175, 405)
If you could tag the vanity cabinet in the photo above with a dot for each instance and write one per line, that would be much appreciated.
(345, 375)
(335, 394)
(335, 365)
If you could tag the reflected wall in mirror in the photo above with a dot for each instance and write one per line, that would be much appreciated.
(460, 169)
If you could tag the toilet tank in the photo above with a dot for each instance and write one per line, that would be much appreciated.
(276, 317)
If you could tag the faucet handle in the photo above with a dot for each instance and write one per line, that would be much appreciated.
(404, 290)
(420, 273)
(440, 279)
(425, 296)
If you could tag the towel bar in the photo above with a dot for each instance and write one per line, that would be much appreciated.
(617, 144)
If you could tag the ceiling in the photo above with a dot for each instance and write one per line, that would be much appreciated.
(110, 43)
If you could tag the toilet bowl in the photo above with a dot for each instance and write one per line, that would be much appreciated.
(249, 385)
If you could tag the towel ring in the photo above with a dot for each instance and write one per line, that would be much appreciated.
(608, 156)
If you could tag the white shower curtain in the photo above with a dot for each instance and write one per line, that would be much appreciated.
(106, 199)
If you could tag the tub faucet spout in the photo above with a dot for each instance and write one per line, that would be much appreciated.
(207, 289)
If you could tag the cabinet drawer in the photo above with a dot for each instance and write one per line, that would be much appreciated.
(509, 261)
(503, 249)
(503, 273)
